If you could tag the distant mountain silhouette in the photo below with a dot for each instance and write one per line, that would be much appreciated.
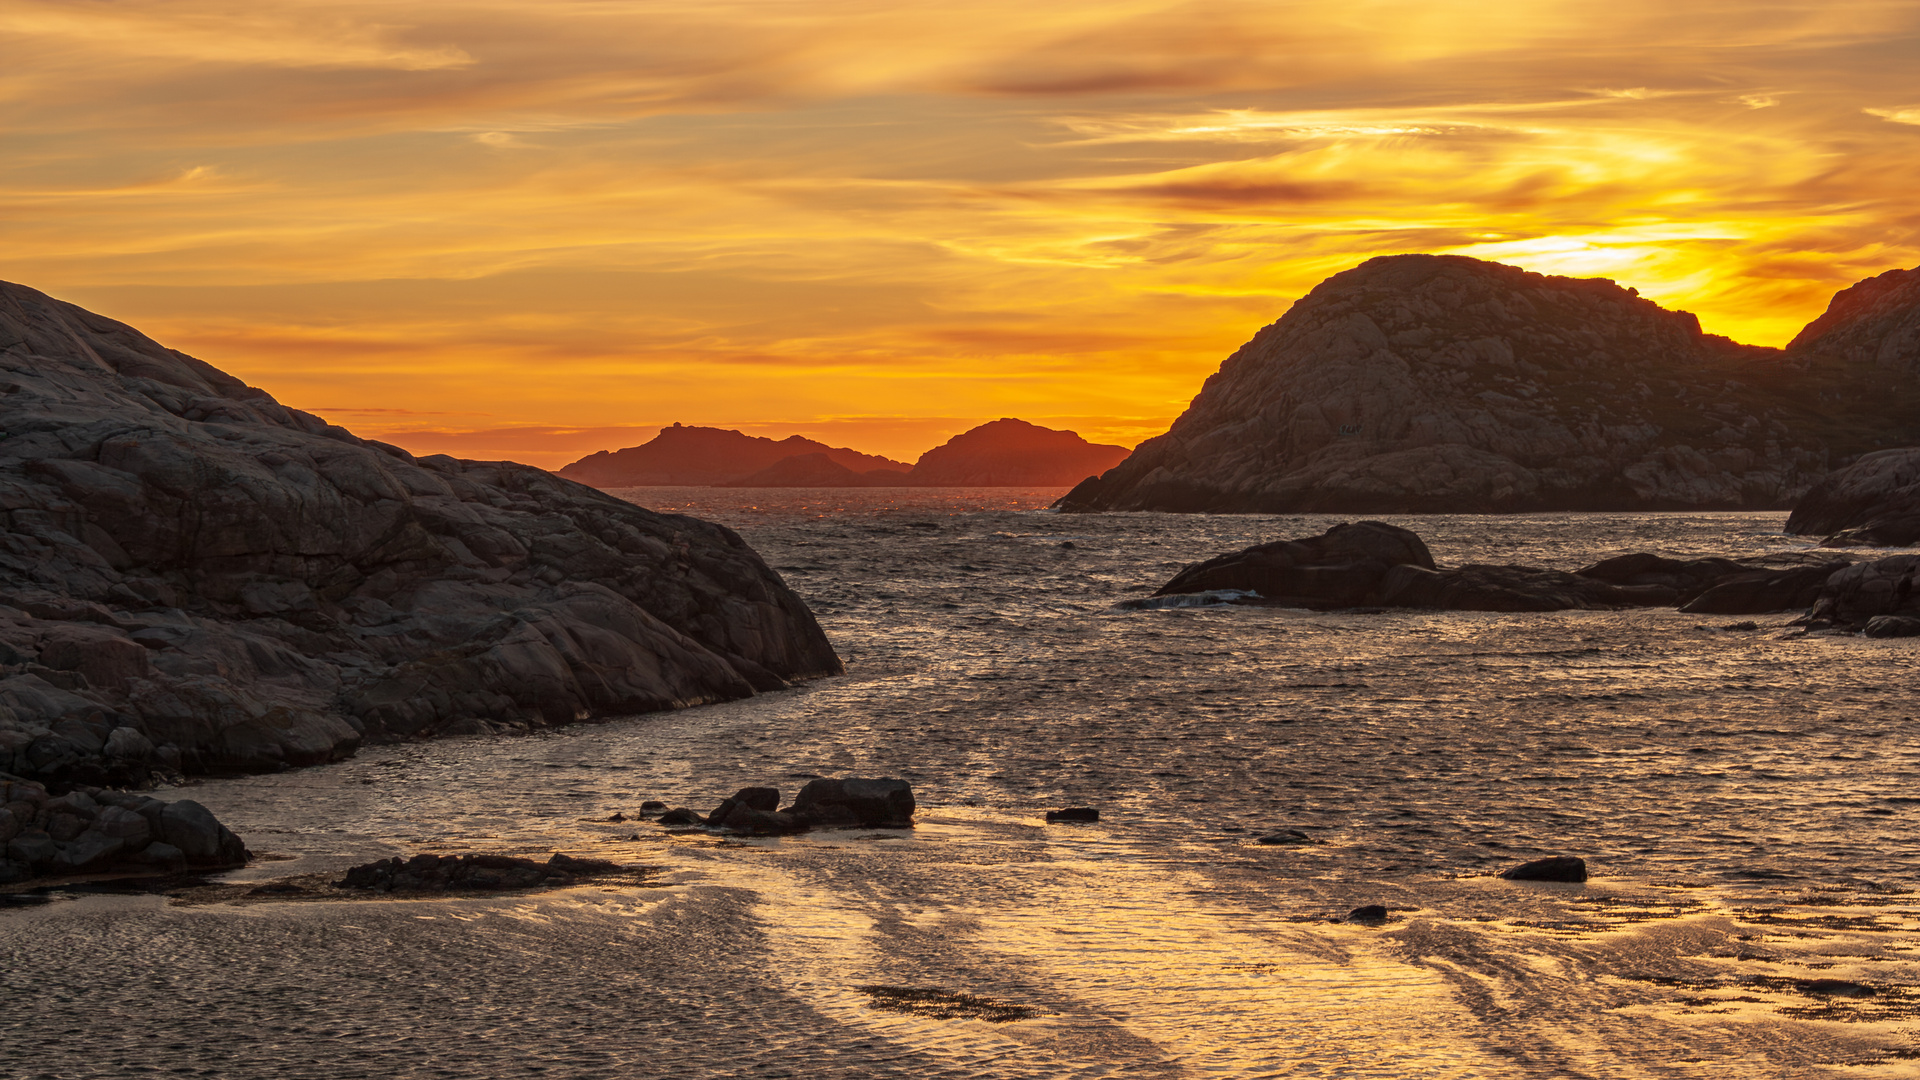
(1003, 453)
(1443, 384)
(689, 455)
(1009, 452)
(818, 470)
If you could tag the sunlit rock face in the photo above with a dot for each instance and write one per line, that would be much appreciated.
(1423, 383)
(195, 576)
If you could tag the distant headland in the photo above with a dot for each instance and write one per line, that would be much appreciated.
(1002, 453)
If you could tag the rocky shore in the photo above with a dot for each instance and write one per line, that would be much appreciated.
(196, 578)
(1443, 384)
(96, 831)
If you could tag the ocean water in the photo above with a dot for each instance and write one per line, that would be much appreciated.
(1745, 799)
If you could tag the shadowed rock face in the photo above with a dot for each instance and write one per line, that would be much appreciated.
(1420, 383)
(1875, 502)
(193, 576)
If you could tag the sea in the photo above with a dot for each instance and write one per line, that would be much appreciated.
(1744, 795)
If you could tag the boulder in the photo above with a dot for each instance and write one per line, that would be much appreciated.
(1557, 868)
(238, 585)
(1444, 384)
(1885, 626)
(1874, 502)
(200, 837)
(870, 803)
(1855, 596)
(682, 817)
(1342, 567)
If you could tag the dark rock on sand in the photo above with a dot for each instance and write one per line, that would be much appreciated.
(1875, 502)
(194, 577)
(1437, 383)
(869, 803)
(471, 872)
(1557, 868)
(1372, 913)
(97, 831)
(1074, 813)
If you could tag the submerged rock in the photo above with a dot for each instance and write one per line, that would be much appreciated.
(1875, 502)
(196, 577)
(1074, 813)
(98, 831)
(1557, 868)
(1443, 384)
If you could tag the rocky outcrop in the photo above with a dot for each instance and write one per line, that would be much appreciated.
(195, 577)
(1423, 383)
(684, 454)
(1371, 564)
(1008, 452)
(94, 831)
(824, 803)
(1875, 502)
(1342, 567)
(1883, 588)
(470, 872)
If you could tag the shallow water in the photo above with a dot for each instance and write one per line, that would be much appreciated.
(1743, 797)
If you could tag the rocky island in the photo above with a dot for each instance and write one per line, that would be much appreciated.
(1001, 453)
(194, 577)
(1438, 383)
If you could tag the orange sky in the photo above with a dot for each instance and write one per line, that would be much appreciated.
(536, 229)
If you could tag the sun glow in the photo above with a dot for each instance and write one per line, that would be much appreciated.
(502, 223)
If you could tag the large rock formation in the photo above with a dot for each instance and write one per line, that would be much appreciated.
(1875, 502)
(193, 576)
(1008, 452)
(90, 830)
(1424, 383)
(684, 454)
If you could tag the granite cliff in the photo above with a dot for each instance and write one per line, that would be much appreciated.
(194, 577)
(1432, 383)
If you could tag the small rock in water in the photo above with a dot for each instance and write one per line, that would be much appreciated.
(1285, 836)
(1558, 868)
(651, 805)
(682, 816)
(617, 816)
(1886, 626)
(874, 803)
(1372, 913)
(1838, 988)
(1074, 813)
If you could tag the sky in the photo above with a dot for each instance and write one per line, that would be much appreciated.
(533, 230)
